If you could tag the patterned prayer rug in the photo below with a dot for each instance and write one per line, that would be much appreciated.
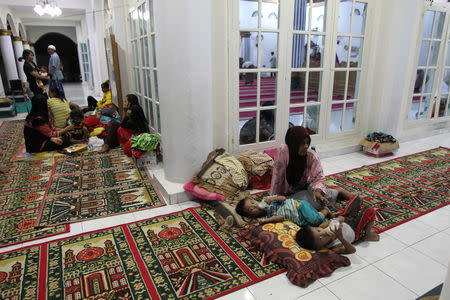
(11, 136)
(176, 256)
(21, 196)
(400, 189)
(98, 185)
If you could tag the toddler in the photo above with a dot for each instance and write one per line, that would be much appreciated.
(278, 209)
(79, 132)
(353, 225)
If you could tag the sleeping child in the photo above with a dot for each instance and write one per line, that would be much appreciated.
(278, 209)
(338, 234)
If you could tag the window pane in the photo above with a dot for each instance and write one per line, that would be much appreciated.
(144, 18)
(248, 14)
(269, 44)
(149, 83)
(299, 43)
(297, 94)
(247, 90)
(442, 104)
(336, 117)
(158, 118)
(439, 25)
(312, 119)
(296, 116)
(429, 80)
(445, 81)
(152, 23)
(270, 12)
(413, 113)
(428, 26)
(350, 115)
(145, 53)
(268, 91)
(345, 8)
(356, 52)
(342, 51)
(318, 16)
(154, 51)
(300, 18)
(267, 125)
(339, 85)
(423, 53)
(353, 84)
(314, 84)
(152, 119)
(141, 28)
(424, 107)
(155, 77)
(249, 49)
(316, 51)
(359, 18)
(247, 127)
(434, 53)
(418, 85)
(447, 60)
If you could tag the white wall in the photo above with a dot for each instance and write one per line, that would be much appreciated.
(35, 32)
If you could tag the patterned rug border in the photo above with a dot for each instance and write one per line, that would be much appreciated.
(390, 160)
(43, 248)
(66, 230)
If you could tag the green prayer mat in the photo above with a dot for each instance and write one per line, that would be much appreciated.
(176, 256)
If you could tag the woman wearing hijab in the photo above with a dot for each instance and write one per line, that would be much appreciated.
(297, 172)
(134, 123)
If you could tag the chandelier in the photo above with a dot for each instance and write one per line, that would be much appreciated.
(47, 7)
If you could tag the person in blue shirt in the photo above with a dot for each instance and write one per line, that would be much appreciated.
(55, 70)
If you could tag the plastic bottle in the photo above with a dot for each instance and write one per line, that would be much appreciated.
(334, 224)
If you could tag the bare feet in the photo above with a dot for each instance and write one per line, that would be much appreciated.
(372, 237)
(105, 148)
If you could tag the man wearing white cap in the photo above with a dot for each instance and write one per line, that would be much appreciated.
(54, 69)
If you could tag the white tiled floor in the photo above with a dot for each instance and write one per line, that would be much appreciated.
(408, 261)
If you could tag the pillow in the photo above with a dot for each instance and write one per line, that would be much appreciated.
(277, 241)
(201, 193)
(271, 152)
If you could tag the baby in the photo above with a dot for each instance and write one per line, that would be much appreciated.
(339, 234)
(278, 209)
(79, 133)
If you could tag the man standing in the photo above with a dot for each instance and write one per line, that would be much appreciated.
(54, 69)
(273, 63)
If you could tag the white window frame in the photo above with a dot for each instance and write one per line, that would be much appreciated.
(86, 62)
(428, 123)
(283, 81)
(149, 101)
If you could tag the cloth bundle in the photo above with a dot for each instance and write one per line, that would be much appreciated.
(259, 168)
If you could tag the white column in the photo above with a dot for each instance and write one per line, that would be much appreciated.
(26, 45)
(18, 50)
(2, 89)
(9, 59)
(183, 52)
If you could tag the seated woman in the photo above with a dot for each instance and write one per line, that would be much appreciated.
(39, 133)
(298, 173)
(134, 123)
(59, 107)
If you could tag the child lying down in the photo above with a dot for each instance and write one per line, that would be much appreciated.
(353, 225)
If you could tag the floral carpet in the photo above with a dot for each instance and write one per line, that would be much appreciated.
(97, 185)
(402, 188)
(176, 256)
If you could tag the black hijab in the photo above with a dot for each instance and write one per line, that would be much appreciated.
(295, 137)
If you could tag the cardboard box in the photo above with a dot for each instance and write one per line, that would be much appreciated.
(376, 149)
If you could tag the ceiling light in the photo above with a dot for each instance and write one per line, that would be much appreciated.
(47, 7)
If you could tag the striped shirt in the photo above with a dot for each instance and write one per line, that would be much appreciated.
(60, 110)
(299, 212)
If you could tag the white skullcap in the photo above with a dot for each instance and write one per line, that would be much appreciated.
(51, 47)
